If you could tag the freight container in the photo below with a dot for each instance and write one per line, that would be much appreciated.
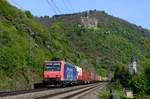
(92, 76)
(79, 73)
(98, 78)
(70, 73)
(86, 74)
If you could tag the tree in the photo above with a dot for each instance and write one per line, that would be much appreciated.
(139, 83)
(28, 14)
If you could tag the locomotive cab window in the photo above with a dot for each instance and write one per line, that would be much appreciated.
(56, 66)
(52, 67)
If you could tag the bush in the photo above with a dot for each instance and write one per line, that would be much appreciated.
(28, 14)
(139, 83)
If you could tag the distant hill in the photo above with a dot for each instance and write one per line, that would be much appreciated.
(112, 42)
(26, 42)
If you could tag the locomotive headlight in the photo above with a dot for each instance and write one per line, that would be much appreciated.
(58, 77)
(46, 76)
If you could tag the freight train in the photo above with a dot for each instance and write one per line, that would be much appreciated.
(61, 73)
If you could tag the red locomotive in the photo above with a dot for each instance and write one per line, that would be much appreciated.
(59, 73)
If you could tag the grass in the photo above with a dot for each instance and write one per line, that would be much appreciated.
(105, 93)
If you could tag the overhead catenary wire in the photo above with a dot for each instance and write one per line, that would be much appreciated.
(49, 3)
(72, 8)
(56, 7)
(66, 5)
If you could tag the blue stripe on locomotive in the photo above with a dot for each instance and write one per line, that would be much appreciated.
(70, 72)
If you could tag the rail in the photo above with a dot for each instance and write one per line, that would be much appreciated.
(46, 93)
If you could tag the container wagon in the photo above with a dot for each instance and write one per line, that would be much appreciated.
(86, 75)
(79, 75)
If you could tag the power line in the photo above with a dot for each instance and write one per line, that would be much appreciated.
(49, 3)
(69, 3)
(65, 4)
(56, 7)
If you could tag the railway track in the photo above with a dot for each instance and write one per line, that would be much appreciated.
(54, 93)
(17, 92)
(73, 94)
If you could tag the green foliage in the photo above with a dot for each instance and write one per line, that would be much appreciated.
(28, 14)
(139, 83)
(25, 44)
(146, 43)
(121, 75)
(142, 96)
(105, 93)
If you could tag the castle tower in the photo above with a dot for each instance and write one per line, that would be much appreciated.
(88, 21)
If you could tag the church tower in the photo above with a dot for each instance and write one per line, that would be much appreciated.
(132, 66)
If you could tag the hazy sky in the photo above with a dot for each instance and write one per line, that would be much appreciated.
(134, 11)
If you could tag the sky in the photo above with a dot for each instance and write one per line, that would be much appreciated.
(134, 11)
